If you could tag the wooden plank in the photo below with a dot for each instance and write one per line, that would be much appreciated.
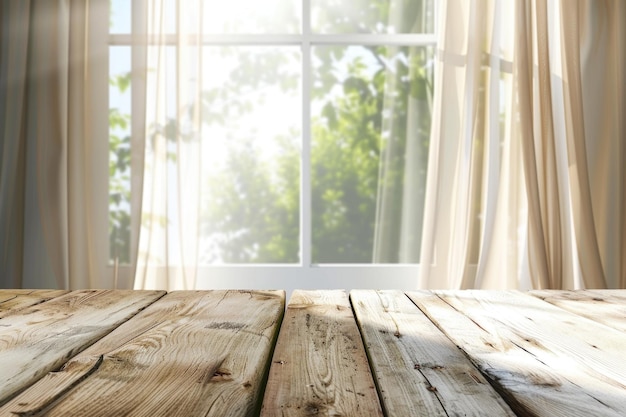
(543, 360)
(12, 301)
(319, 365)
(190, 354)
(419, 371)
(604, 306)
(43, 337)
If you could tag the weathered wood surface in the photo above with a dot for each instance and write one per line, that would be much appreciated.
(419, 371)
(543, 360)
(604, 306)
(12, 301)
(320, 365)
(43, 337)
(209, 353)
(189, 354)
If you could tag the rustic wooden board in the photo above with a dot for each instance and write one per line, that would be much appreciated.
(189, 354)
(12, 301)
(604, 306)
(543, 360)
(43, 337)
(319, 365)
(419, 371)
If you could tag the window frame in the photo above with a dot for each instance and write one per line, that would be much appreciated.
(305, 274)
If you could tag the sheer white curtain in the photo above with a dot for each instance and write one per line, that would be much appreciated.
(526, 182)
(48, 168)
(405, 134)
(173, 167)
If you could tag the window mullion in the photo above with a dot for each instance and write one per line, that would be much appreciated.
(305, 165)
(281, 39)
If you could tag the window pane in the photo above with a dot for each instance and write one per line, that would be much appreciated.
(252, 16)
(119, 19)
(119, 153)
(372, 16)
(369, 104)
(252, 131)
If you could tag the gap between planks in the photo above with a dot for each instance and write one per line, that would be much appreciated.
(192, 353)
(418, 370)
(543, 360)
(319, 365)
(41, 338)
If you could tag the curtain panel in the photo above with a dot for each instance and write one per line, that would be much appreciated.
(173, 168)
(47, 236)
(526, 172)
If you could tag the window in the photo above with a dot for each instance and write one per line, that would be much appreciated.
(301, 97)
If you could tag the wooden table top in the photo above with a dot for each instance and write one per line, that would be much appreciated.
(369, 353)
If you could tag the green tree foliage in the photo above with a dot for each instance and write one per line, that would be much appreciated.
(253, 216)
(119, 177)
(345, 161)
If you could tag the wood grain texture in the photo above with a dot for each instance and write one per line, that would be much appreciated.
(12, 301)
(41, 338)
(543, 360)
(419, 371)
(603, 306)
(320, 367)
(190, 354)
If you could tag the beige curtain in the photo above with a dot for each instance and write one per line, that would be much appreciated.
(169, 231)
(47, 234)
(526, 173)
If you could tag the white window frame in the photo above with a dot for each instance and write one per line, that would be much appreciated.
(302, 275)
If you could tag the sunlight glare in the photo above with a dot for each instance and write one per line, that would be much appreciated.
(251, 16)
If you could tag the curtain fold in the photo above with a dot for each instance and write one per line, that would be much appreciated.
(14, 17)
(46, 181)
(167, 256)
(526, 176)
(405, 131)
(600, 30)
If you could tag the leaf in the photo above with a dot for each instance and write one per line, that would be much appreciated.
(328, 111)
(122, 81)
(117, 119)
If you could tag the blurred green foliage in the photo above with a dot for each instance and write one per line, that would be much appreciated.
(119, 177)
